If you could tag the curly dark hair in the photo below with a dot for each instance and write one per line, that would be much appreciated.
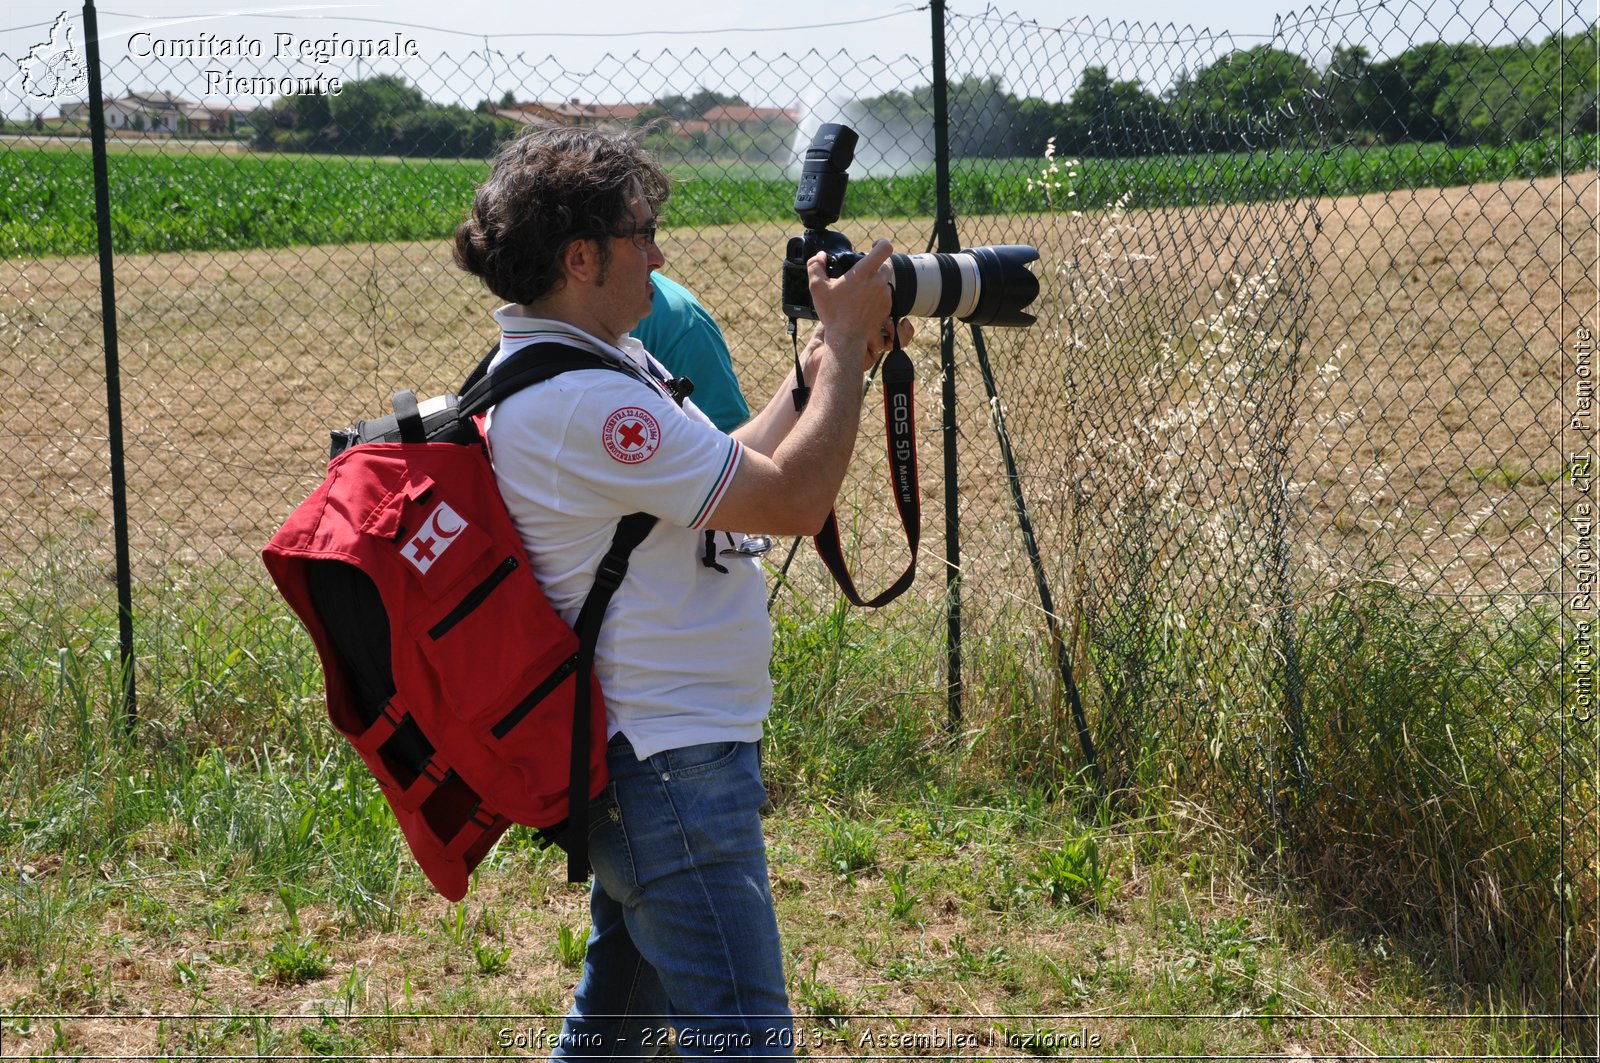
(548, 188)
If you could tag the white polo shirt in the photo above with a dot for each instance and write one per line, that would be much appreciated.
(685, 649)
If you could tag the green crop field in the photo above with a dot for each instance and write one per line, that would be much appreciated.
(214, 201)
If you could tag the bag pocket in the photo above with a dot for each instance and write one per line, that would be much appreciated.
(493, 639)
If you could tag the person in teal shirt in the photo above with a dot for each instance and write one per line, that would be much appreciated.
(680, 333)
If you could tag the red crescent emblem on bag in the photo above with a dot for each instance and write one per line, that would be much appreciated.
(631, 435)
(439, 530)
(438, 525)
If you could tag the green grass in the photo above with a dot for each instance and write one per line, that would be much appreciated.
(211, 201)
(1199, 180)
(208, 201)
(229, 855)
(292, 960)
(1501, 475)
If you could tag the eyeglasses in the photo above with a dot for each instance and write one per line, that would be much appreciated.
(639, 234)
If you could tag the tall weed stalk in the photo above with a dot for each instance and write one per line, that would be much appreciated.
(1399, 752)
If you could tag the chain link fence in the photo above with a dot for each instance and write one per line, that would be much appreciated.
(1282, 506)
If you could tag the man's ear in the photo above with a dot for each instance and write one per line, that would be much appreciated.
(580, 260)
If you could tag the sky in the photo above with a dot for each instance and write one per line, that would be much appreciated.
(612, 49)
(881, 26)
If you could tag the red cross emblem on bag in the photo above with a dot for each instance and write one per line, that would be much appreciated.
(438, 532)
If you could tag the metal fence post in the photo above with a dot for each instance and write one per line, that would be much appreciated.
(946, 241)
(108, 316)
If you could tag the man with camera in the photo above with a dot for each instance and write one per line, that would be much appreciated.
(684, 934)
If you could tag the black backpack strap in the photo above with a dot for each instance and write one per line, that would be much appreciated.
(541, 361)
(631, 531)
(531, 365)
(481, 369)
(482, 389)
(407, 418)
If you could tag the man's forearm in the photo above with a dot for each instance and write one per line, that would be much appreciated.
(772, 423)
(814, 453)
(769, 427)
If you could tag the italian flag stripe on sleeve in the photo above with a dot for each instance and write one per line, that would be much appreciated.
(708, 505)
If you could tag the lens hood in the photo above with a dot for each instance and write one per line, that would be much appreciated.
(1005, 285)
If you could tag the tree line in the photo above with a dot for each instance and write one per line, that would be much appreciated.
(1265, 97)
(381, 115)
(1252, 99)
(386, 115)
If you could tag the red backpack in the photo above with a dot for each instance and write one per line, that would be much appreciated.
(467, 696)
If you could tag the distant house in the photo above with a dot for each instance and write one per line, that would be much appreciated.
(573, 113)
(616, 115)
(211, 118)
(720, 122)
(535, 115)
(728, 120)
(158, 112)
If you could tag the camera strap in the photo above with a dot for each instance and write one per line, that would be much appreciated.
(900, 435)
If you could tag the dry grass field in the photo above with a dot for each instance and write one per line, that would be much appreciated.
(1406, 349)
(1385, 373)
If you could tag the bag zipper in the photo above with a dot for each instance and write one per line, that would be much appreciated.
(473, 599)
(538, 694)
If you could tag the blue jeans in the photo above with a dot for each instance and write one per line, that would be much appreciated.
(684, 934)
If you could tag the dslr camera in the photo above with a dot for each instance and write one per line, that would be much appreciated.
(981, 285)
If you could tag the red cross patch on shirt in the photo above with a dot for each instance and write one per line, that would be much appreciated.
(631, 435)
